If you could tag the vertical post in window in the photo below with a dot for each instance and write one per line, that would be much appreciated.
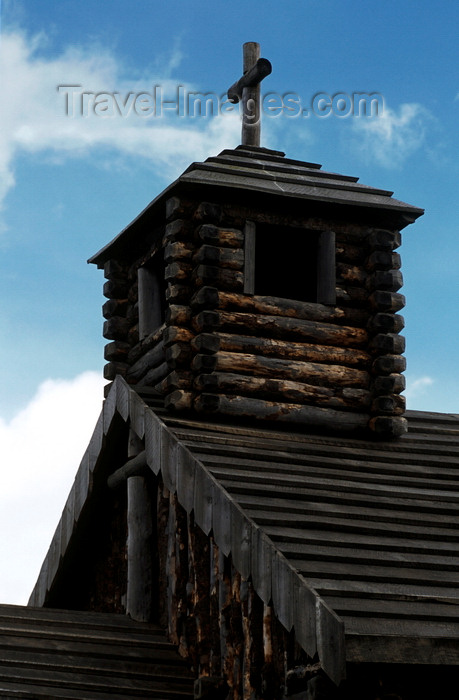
(150, 312)
(249, 258)
(326, 268)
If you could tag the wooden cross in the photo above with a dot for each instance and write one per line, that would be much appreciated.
(247, 89)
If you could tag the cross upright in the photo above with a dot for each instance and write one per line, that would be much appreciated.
(247, 90)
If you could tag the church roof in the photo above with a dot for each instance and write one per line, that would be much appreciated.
(77, 655)
(253, 171)
(355, 542)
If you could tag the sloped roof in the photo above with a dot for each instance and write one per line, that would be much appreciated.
(86, 656)
(250, 170)
(355, 542)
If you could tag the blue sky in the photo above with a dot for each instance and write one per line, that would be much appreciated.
(68, 185)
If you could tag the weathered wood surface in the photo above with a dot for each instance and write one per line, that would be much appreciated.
(285, 390)
(229, 258)
(73, 654)
(223, 237)
(140, 548)
(272, 347)
(209, 298)
(246, 407)
(223, 278)
(278, 326)
(256, 365)
(152, 358)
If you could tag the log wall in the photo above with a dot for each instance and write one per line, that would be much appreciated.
(226, 352)
(215, 617)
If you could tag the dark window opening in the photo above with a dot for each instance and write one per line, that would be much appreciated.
(290, 263)
(152, 295)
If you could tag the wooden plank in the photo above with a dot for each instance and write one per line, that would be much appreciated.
(386, 543)
(371, 573)
(330, 642)
(327, 510)
(321, 493)
(429, 499)
(369, 557)
(403, 609)
(241, 541)
(317, 464)
(326, 268)
(186, 469)
(398, 649)
(382, 590)
(249, 257)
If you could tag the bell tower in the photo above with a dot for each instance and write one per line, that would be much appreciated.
(258, 287)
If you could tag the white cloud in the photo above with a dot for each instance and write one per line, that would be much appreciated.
(40, 451)
(392, 137)
(34, 120)
(417, 387)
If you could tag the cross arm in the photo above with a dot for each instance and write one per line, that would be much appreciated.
(253, 77)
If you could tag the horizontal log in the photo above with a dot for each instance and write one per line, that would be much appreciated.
(178, 315)
(388, 344)
(388, 426)
(222, 237)
(283, 412)
(269, 347)
(115, 307)
(278, 326)
(280, 389)
(132, 313)
(178, 379)
(115, 289)
(386, 280)
(178, 250)
(387, 301)
(133, 336)
(178, 207)
(116, 328)
(386, 323)
(390, 384)
(346, 294)
(222, 257)
(146, 344)
(177, 334)
(218, 277)
(113, 269)
(393, 404)
(381, 239)
(383, 260)
(208, 211)
(178, 271)
(178, 355)
(152, 358)
(346, 252)
(179, 400)
(112, 369)
(351, 274)
(155, 375)
(210, 297)
(117, 351)
(389, 364)
(308, 372)
(178, 293)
